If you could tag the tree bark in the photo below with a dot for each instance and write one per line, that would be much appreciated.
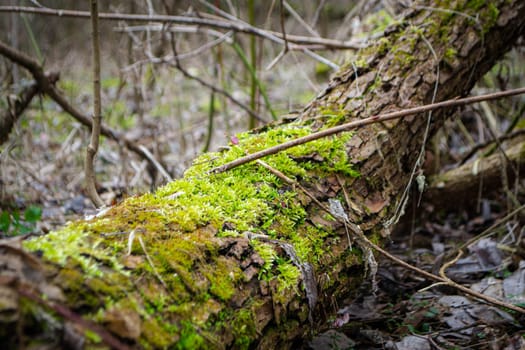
(249, 258)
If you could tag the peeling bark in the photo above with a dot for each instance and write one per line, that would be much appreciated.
(207, 263)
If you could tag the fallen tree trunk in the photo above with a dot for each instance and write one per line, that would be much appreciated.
(480, 177)
(258, 256)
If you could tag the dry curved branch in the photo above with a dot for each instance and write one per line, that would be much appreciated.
(16, 106)
(205, 22)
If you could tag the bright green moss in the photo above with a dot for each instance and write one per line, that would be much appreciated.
(334, 117)
(72, 243)
(155, 336)
(267, 253)
(190, 338)
(289, 276)
(475, 4)
(450, 53)
(92, 337)
(382, 46)
(223, 277)
(243, 328)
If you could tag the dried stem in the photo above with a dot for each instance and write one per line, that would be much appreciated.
(15, 109)
(92, 148)
(240, 27)
(362, 122)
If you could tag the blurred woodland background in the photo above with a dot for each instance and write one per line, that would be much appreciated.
(168, 107)
(176, 90)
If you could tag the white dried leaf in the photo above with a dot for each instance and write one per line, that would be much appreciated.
(420, 179)
(337, 210)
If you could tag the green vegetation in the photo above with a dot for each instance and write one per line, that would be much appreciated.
(13, 224)
(379, 21)
(243, 328)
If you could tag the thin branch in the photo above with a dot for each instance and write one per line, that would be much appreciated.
(283, 30)
(299, 19)
(224, 37)
(346, 27)
(508, 135)
(443, 279)
(237, 26)
(251, 65)
(16, 106)
(362, 122)
(273, 36)
(487, 143)
(317, 13)
(92, 147)
(155, 163)
(28, 63)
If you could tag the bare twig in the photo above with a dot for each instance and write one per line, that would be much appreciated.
(362, 122)
(299, 19)
(240, 27)
(490, 230)
(252, 65)
(443, 279)
(16, 107)
(223, 37)
(92, 148)
(273, 36)
(283, 30)
(506, 136)
(155, 163)
(317, 13)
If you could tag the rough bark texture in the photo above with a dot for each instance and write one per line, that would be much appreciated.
(243, 259)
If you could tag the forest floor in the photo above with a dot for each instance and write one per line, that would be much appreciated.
(411, 313)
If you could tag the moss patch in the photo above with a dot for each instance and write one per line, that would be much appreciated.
(172, 239)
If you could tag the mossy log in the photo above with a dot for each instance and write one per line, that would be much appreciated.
(243, 259)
